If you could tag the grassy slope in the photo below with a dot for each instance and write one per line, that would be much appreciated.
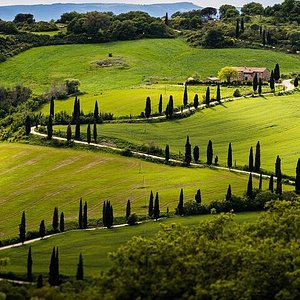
(162, 60)
(274, 121)
(94, 245)
(36, 179)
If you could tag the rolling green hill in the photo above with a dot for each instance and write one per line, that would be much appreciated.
(36, 179)
(134, 64)
(95, 246)
(274, 121)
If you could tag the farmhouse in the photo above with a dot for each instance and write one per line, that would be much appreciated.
(248, 73)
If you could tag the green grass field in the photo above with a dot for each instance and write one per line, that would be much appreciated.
(274, 121)
(94, 245)
(36, 179)
(132, 101)
(143, 61)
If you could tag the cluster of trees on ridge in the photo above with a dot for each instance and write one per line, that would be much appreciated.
(216, 259)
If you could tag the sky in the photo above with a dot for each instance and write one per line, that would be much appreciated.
(214, 3)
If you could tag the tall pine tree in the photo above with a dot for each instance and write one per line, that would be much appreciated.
(80, 215)
(151, 205)
(180, 207)
(185, 96)
(95, 132)
(272, 82)
(55, 219)
(79, 273)
(218, 93)
(250, 165)
(69, 133)
(29, 265)
(42, 229)
(77, 129)
(22, 228)
(167, 153)
(255, 83)
(62, 222)
(88, 134)
(250, 187)
(128, 209)
(237, 28)
(196, 101)
(271, 184)
(148, 108)
(85, 216)
(96, 113)
(229, 156)
(160, 104)
(260, 181)
(52, 268)
(27, 125)
(257, 158)
(50, 128)
(260, 86)
(188, 152)
(229, 194)
(277, 72)
(52, 106)
(207, 97)
(198, 196)
(156, 212)
(209, 153)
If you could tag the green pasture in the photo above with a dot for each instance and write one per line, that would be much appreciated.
(35, 179)
(141, 62)
(94, 245)
(274, 121)
(125, 102)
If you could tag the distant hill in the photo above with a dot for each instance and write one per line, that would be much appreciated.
(54, 11)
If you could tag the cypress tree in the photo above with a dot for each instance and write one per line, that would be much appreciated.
(277, 166)
(260, 181)
(85, 216)
(207, 96)
(272, 82)
(180, 207)
(62, 222)
(22, 228)
(296, 82)
(271, 184)
(42, 229)
(251, 167)
(27, 125)
(75, 113)
(69, 133)
(52, 268)
(160, 104)
(128, 209)
(109, 215)
(29, 265)
(95, 132)
(196, 153)
(150, 207)
(88, 134)
(196, 101)
(167, 19)
(279, 184)
(56, 269)
(255, 83)
(260, 86)
(96, 112)
(216, 160)
(167, 153)
(52, 106)
(104, 214)
(80, 218)
(237, 28)
(218, 93)
(209, 153)
(40, 282)
(260, 30)
(79, 273)
(170, 107)
(78, 108)
(242, 25)
(77, 129)
(55, 219)
(148, 107)
(276, 72)
(257, 158)
(50, 128)
(229, 194)
(250, 187)
(185, 96)
(198, 196)
(156, 211)
(229, 156)
(297, 181)
(188, 151)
